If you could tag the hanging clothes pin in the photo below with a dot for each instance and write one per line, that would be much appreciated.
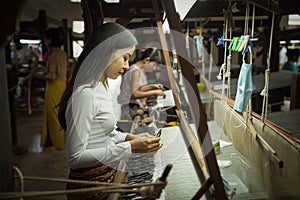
(221, 41)
(231, 43)
(251, 47)
(234, 43)
(247, 45)
(239, 43)
(243, 43)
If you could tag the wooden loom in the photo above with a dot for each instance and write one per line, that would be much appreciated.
(206, 167)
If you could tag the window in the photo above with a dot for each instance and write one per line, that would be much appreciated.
(78, 27)
(77, 48)
(294, 20)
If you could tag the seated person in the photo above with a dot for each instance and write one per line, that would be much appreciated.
(134, 87)
(290, 65)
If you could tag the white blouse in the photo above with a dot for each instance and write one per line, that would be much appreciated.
(91, 137)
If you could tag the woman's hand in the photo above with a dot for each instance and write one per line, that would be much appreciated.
(34, 65)
(145, 144)
(158, 86)
(131, 136)
(145, 135)
(160, 93)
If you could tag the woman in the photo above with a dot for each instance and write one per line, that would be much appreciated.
(93, 147)
(55, 76)
(134, 87)
(293, 56)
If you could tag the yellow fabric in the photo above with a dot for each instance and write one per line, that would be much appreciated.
(57, 63)
(51, 126)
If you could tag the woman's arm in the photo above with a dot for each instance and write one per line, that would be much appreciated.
(49, 76)
(147, 87)
(139, 91)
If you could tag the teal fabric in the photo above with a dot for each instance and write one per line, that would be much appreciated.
(290, 66)
(244, 88)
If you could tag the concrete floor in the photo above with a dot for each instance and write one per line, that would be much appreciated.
(36, 162)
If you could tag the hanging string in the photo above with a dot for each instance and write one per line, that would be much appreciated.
(200, 48)
(246, 31)
(247, 18)
(187, 42)
(249, 115)
(223, 67)
(210, 57)
(252, 30)
(265, 91)
(228, 73)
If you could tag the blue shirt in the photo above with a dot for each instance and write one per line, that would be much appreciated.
(290, 66)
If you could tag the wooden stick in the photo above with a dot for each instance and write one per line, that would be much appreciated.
(164, 45)
(189, 80)
(252, 40)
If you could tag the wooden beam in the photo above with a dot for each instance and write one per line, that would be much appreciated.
(203, 189)
(92, 15)
(192, 91)
(188, 135)
(10, 13)
(6, 180)
(164, 45)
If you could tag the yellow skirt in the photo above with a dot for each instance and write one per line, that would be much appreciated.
(51, 127)
(100, 173)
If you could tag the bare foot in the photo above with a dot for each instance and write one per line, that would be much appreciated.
(50, 148)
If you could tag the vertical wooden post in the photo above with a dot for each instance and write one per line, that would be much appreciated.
(9, 15)
(188, 135)
(92, 15)
(164, 45)
(187, 72)
(6, 180)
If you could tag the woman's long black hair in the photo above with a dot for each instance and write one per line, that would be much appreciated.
(101, 34)
(152, 53)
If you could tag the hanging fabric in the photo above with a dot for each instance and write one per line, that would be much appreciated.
(200, 49)
(244, 88)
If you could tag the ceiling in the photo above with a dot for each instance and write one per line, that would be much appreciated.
(213, 8)
(64, 9)
(140, 12)
(55, 10)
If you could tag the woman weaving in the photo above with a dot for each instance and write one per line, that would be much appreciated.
(93, 147)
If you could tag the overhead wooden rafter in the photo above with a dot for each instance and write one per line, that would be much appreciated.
(92, 15)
